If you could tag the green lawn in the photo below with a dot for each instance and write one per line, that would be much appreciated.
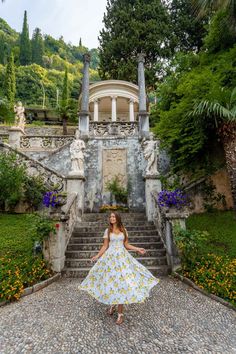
(221, 226)
(16, 234)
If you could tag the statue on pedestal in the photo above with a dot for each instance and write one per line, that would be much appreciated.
(20, 116)
(151, 152)
(77, 155)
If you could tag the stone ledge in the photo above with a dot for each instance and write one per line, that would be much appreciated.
(32, 289)
(204, 292)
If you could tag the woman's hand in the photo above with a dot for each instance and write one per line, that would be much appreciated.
(94, 258)
(141, 250)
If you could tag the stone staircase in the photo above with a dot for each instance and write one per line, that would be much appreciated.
(87, 239)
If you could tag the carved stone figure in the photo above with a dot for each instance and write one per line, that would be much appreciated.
(151, 152)
(20, 115)
(77, 155)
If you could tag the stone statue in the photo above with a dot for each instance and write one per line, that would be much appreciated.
(77, 155)
(20, 116)
(151, 152)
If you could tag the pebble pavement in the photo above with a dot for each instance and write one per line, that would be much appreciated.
(175, 319)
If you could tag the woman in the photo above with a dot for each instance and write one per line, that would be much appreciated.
(117, 277)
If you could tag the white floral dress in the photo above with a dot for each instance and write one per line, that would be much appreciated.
(117, 277)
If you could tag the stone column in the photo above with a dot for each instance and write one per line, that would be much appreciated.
(113, 108)
(84, 112)
(152, 184)
(131, 110)
(95, 117)
(15, 134)
(143, 114)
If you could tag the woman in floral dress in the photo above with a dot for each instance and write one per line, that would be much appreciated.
(117, 277)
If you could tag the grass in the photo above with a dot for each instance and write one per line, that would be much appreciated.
(221, 226)
(16, 234)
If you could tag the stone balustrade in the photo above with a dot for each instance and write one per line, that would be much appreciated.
(55, 246)
(105, 129)
(45, 143)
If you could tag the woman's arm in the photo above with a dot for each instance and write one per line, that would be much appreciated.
(102, 250)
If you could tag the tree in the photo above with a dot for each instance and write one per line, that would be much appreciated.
(225, 115)
(10, 82)
(25, 46)
(80, 42)
(64, 102)
(37, 47)
(188, 30)
(132, 27)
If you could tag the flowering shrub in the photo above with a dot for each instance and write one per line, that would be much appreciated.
(105, 208)
(174, 198)
(20, 271)
(216, 274)
(54, 198)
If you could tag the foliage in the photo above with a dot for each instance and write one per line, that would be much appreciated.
(16, 186)
(129, 29)
(12, 178)
(54, 198)
(105, 208)
(25, 45)
(34, 188)
(10, 81)
(42, 226)
(18, 267)
(188, 243)
(176, 198)
(37, 47)
(119, 192)
(187, 138)
(215, 274)
(211, 198)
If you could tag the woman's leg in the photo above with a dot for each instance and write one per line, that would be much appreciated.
(120, 318)
(120, 308)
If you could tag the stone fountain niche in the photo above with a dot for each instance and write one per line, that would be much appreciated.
(113, 120)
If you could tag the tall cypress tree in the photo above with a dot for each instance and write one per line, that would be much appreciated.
(64, 102)
(10, 82)
(132, 27)
(25, 45)
(37, 47)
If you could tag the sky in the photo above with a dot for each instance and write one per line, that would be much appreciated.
(71, 19)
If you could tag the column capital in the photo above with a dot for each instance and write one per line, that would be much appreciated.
(86, 58)
(96, 100)
(114, 97)
(141, 58)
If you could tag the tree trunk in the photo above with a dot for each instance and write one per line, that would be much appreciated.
(228, 135)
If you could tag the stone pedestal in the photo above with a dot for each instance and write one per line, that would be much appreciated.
(15, 135)
(75, 183)
(152, 185)
(84, 123)
(54, 247)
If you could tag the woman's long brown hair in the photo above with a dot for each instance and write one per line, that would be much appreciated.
(119, 225)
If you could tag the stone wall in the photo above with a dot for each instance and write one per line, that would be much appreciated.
(37, 131)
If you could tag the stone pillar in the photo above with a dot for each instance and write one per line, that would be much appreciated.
(84, 112)
(152, 185)
(143, 114)
(75, 183)
(131, 110)
(113, 108)
(15, 135)
(95, 117)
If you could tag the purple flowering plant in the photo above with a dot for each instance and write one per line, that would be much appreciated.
(176, 198)
(53, 198)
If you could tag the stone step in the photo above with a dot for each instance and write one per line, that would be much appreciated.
(76, 245)
(88, 254)
(130, 233)
(102, 228)
(83, 272)
(99, 239)
(105, 218)
(86, 262)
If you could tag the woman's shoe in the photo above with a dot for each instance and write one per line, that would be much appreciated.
(111, 310)
(120, 318)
